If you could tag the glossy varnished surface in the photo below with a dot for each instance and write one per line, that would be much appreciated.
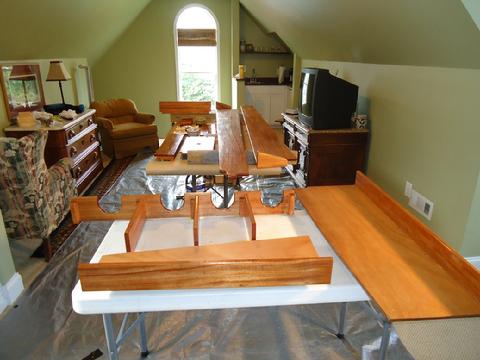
(404, 277)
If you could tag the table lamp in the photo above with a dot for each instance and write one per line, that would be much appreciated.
(58, 72)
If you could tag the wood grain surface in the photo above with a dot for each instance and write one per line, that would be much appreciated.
(170, 147)
(135, 227)
(232, 157)
(185, 107)
(406, 279)
(262, 137)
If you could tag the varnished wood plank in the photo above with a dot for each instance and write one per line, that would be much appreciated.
(251, 217)
(222, 106)
(232, 158)
(447, 257)
(196, 213)
(86, 208)
(135, 227)
(292, 247)
(185, 107)
(170, 146)
(262, 137)
(406, 281)
(265, 161)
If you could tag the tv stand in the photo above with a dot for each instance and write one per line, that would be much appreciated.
(325, 157)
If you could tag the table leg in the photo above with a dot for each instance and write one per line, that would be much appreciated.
(341, 322)
(110, 335)
(225, 191)
(385, 340)
(143, 335)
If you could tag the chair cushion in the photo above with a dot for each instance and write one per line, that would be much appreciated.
(132, 129)
(122, 119)
(114, 108)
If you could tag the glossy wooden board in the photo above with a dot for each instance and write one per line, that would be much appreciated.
(407, 280)
(135, 226)
(185, 107)
(170, 147)
(262, 137)
(292, 247)
(231, 152)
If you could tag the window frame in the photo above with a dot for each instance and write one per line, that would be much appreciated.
(175, 39)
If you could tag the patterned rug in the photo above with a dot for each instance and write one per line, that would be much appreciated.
(99, 188)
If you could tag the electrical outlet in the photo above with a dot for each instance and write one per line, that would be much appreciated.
(408, 189)
(420, 203)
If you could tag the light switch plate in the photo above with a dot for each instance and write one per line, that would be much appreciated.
(408, 189)
(420, 203)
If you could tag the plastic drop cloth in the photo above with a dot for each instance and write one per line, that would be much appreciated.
(44, 326)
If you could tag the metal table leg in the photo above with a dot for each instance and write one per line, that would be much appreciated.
(225, 191)
(385, 340)
(341, 322)
(110, 335)
(143, 335)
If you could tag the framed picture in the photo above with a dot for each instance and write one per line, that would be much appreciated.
(22, 88)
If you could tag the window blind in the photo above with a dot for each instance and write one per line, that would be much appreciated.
(196, 37)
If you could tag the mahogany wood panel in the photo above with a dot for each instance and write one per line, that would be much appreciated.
(402, 277)
(170, 147)
(185, 107)
(265, 161)
(251, 218)
(135, 227)
(232, 158)
(262, 137)
(291, 247)
(86, 208)
(196, 213)
(222, 106)
(214, 274)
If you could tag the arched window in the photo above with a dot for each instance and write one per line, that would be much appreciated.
(196, 35)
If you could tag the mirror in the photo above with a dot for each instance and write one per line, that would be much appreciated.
(22, 88)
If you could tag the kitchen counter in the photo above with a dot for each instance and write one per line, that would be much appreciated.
(264, 81)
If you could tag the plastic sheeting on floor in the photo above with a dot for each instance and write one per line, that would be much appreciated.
(44, 326)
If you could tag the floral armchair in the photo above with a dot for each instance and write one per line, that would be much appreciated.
(33, 199)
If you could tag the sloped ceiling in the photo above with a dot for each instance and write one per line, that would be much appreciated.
(402, 32)
(36, 29)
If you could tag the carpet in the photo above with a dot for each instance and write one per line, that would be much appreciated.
(99, 188)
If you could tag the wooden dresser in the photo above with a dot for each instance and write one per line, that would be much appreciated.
(325, 157)
(77, 140)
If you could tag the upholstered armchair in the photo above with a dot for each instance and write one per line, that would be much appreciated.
(124, 131)
(34, 200)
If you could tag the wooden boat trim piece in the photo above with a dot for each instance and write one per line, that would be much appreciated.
(170, 147)
(184, 107)
(381, 244)
(135, 226)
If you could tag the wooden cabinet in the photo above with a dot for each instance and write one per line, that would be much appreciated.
(325, 157)
(76, 140)
(269, 100)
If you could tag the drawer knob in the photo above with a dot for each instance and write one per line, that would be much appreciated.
(92, 138)
(71, 134)
(95, 155)
(73, 151)
(80, 126)
(78, 171)
(89, 122)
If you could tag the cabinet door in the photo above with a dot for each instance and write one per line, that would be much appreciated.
(259, 97)
(278, 104)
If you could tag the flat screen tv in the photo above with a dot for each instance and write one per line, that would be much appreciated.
(326, 101)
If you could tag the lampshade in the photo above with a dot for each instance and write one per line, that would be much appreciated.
(57, 72)
(21, 72)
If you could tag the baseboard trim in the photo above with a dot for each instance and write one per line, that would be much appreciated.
(475, 261)
(10, 291)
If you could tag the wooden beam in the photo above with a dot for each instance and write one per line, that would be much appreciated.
(135, 227)
(263, 139)
(231, 152)
(185, 107)
(170, 147)
(195, 204)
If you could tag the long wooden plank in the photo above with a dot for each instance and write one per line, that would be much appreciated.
(251, 218)
(195, 204)
(264, 140)
(185, 107)
(170, 147)
(231, 152)
(214, 274)
(406, 281)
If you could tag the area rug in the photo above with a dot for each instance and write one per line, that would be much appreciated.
(99, 188)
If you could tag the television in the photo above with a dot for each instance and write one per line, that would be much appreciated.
(326, 101)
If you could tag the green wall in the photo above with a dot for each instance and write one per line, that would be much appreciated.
(141, 63)
(471, 242)
(75, 90)
(424, 129)
(7, 268)
(265, 65)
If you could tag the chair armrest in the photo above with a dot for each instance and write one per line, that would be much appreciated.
(104, 122)
(146, 119)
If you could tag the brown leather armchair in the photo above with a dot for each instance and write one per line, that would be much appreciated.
(123, 129)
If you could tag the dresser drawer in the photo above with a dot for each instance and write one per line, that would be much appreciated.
(88, 176)
(86, 163)
(76, 149)
(72, 132)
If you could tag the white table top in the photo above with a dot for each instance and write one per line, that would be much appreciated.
(177, 232)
